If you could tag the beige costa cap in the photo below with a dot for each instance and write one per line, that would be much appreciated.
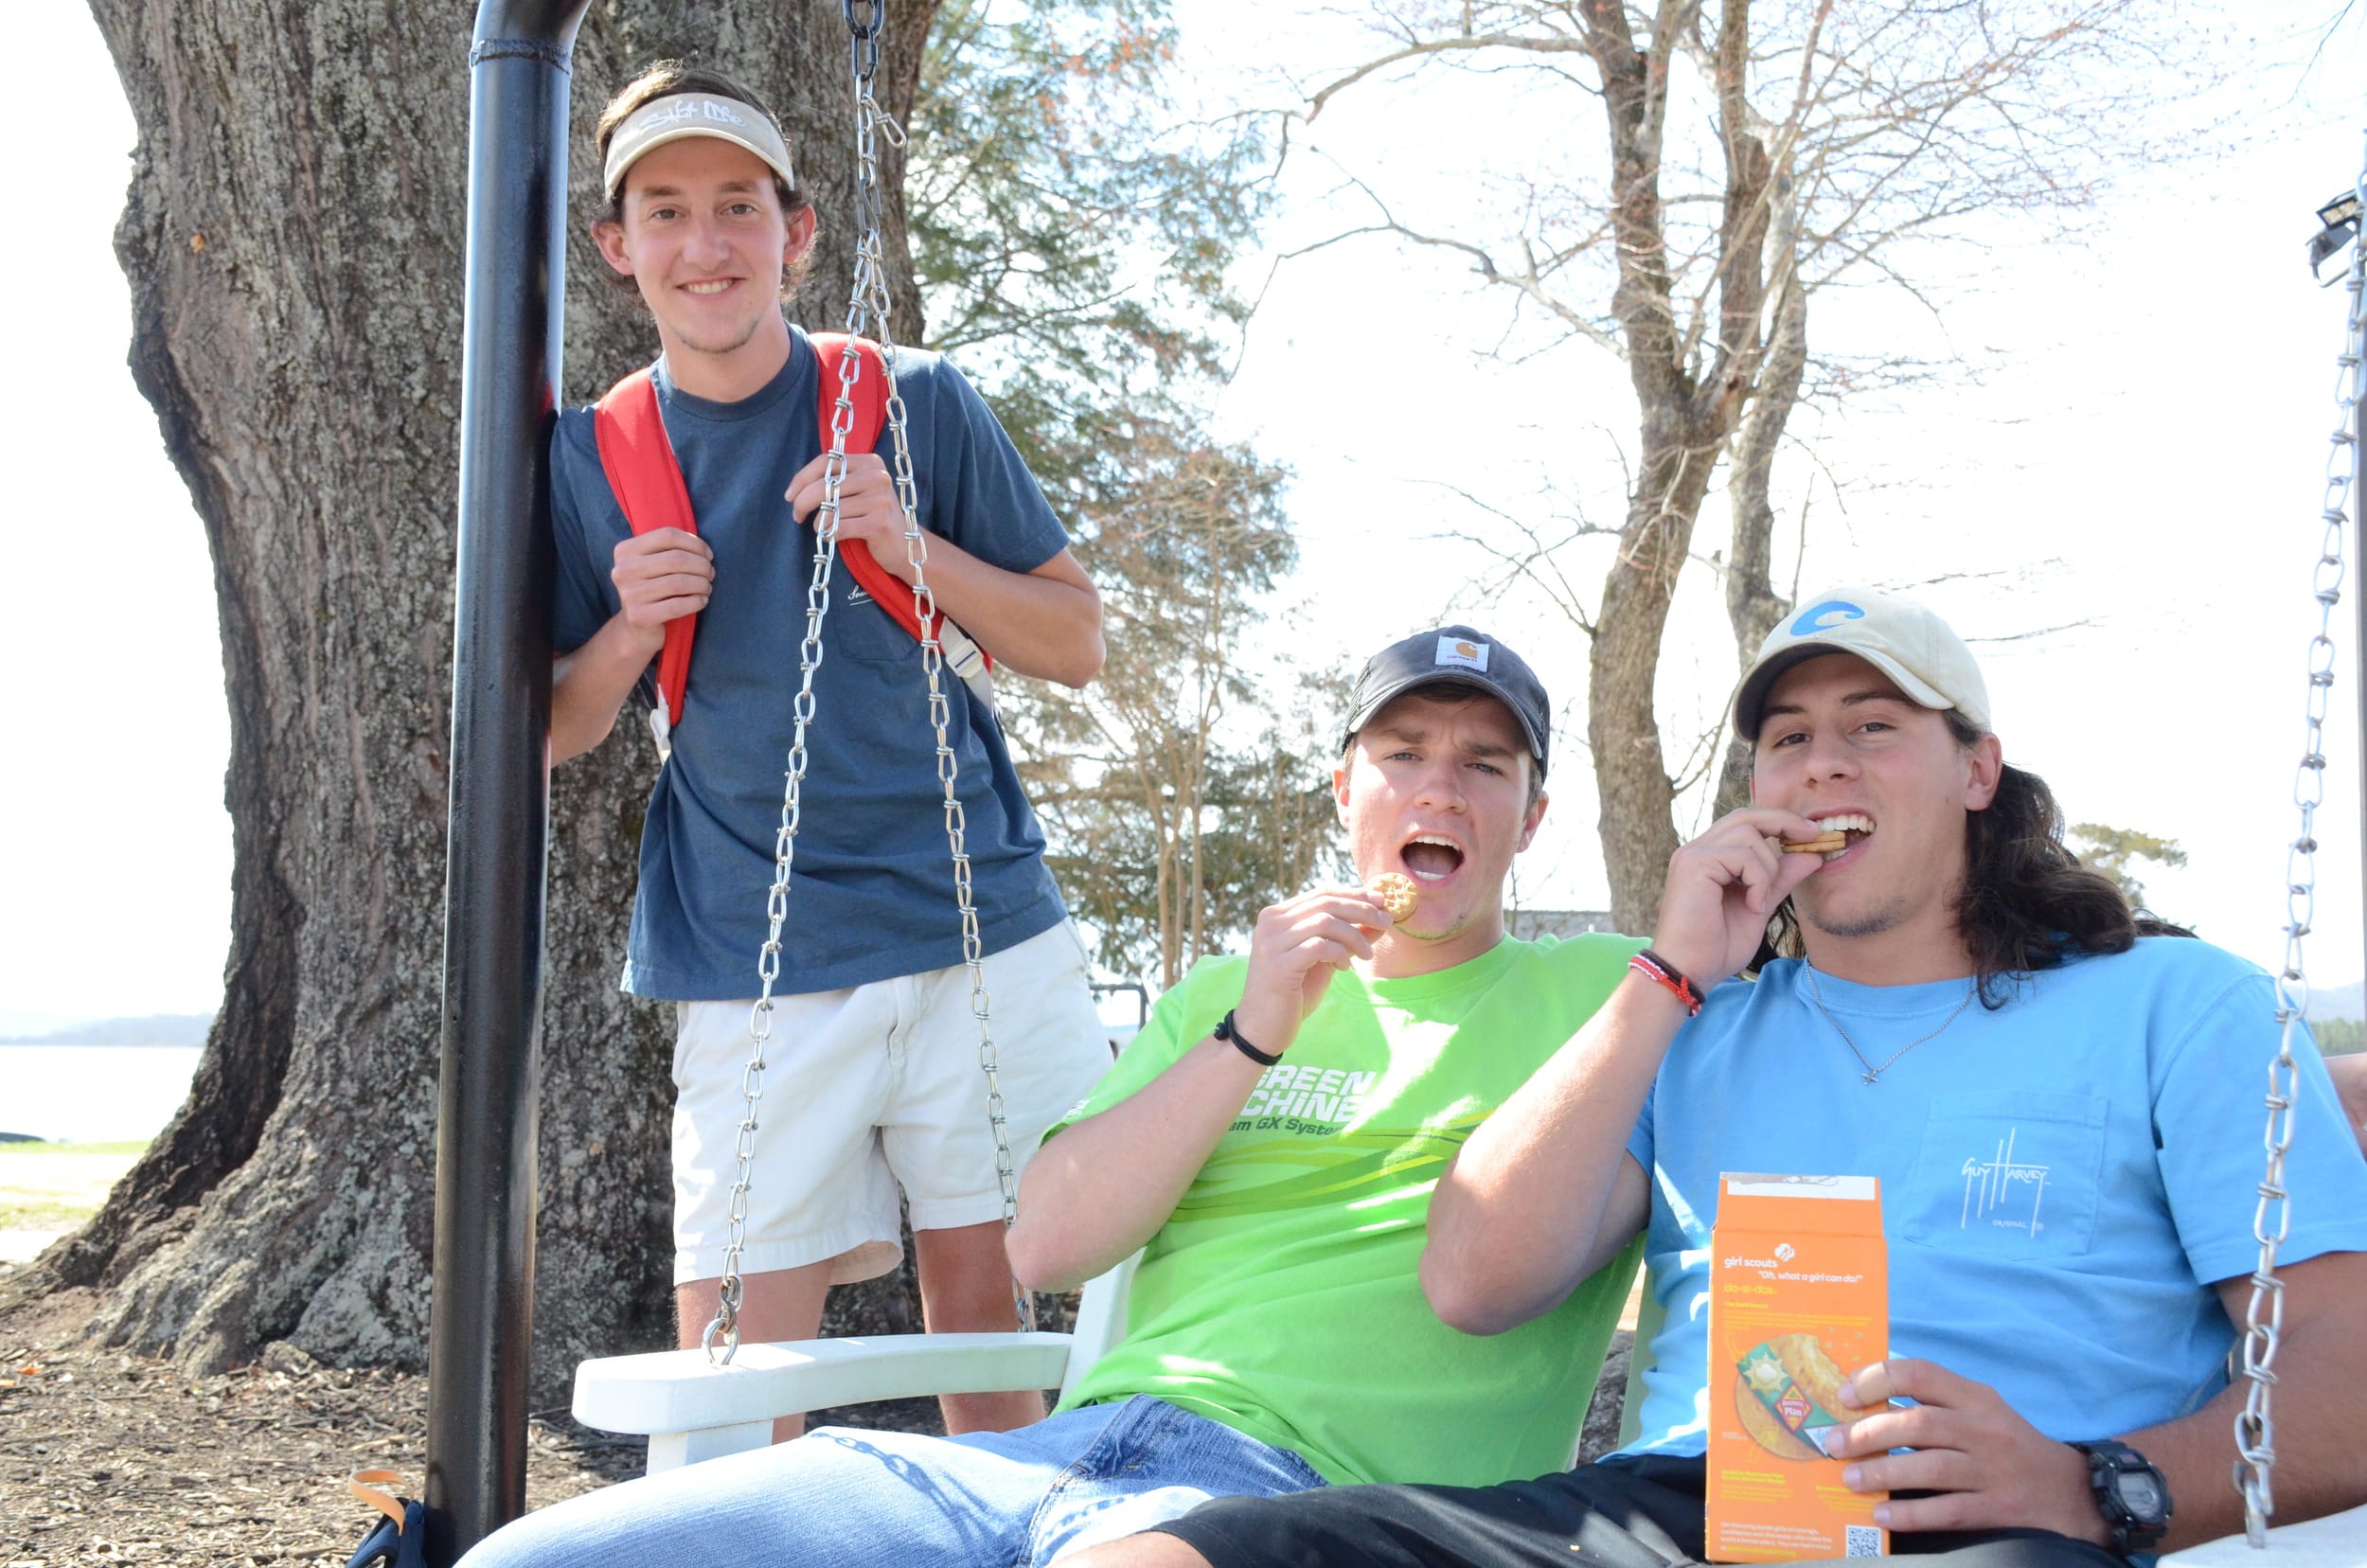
(1896, 636)
(679, 115)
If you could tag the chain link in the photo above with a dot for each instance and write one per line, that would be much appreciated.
(865, 20)
(725, 1324)
(2264, 1319)
(868, 314)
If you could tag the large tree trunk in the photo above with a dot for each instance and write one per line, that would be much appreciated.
(1687, 416)
(1637, 828)
(1754, 603)
(293, 235)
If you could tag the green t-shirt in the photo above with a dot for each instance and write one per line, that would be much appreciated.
(1281, 1296)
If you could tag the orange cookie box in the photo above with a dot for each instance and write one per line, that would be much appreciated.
(1799, 1299)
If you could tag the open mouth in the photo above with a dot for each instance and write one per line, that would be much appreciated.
(1855, 827)
(1430, 857)
(709, 287)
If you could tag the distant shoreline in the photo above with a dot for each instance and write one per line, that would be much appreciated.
(142, 1045)
(154, 1030)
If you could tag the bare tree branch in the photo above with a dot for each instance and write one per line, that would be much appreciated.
(1750, 157)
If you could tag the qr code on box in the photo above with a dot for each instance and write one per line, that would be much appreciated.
(1860, 1541)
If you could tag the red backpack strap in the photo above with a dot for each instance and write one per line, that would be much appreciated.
(642, 470)
(869, 397)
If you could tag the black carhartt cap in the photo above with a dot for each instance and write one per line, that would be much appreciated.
(1454, 656)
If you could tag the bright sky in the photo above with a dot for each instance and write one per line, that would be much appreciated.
(2141, 461)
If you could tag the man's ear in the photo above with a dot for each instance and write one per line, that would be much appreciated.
(1750, 788)
(609, 235)
(802, 229)
(1985, 764)
(1339, 793)
(1528, 823)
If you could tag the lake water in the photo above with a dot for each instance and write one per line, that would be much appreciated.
(93, 1093)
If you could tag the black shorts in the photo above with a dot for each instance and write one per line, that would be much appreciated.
(1643, 1512)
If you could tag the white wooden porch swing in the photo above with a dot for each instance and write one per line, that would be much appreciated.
(695, 1405)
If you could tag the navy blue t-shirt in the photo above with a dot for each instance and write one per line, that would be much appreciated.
(872, 891)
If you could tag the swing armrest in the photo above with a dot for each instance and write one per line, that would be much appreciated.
(691, 1409)
(2333, 1542)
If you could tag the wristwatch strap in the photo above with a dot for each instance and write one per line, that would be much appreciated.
(2108, 1460)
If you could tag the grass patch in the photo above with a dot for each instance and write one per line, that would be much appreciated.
(43, 1215)
(133, 1147)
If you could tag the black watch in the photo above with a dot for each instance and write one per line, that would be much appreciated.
(2133, 1496)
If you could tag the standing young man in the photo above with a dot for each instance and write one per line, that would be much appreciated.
(1269, 1141)
(1953, 980)
(873, 1078)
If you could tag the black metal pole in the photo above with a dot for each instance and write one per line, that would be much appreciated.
(481, 1322)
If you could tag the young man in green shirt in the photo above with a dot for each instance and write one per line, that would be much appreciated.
(1269, 1142)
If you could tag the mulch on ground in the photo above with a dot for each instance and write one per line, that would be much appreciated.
(112, 1458)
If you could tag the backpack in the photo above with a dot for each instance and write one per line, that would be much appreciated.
(401, 1539)
(646, 480)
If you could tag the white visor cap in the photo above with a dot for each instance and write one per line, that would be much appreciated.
(671, 118)
(1896, 636)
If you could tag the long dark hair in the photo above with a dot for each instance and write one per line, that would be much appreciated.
(2026, 904)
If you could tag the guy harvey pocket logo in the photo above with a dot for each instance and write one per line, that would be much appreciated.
(2003, 1193)
(1462, 651)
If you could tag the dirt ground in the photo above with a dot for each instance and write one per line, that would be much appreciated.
(108, 1458)
(112, 1459)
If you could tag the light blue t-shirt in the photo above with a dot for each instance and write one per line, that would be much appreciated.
(2062, 1178)
(872, 895)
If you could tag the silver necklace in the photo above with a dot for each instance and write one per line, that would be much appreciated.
(1873, 1074)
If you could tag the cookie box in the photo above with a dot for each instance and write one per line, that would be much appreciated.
(1799, 1299)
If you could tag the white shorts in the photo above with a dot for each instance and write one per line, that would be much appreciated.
(867, 1088)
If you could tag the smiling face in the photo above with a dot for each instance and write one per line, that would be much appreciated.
(1840, 744)
(705, 239)
(1436, 786)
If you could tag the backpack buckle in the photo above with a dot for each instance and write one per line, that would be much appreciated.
(662, 731)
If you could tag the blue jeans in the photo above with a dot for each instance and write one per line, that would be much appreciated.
(841, 1496)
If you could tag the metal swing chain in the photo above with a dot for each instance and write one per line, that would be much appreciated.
(726, 1322)
(2264, 1320)
(872, 290)
(867, 305)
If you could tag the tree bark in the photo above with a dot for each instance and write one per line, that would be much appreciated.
(294, 239)
(1685, 418)
(1753, 604)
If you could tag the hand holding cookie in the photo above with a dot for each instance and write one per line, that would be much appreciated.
(1723, 885)
(1296, 948)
